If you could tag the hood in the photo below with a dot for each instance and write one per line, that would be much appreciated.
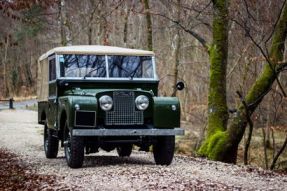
(92, 88)
(95, 92)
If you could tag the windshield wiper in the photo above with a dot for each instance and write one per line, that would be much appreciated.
(87, 74)
(91, 71)
(133, 73)
(123, 69)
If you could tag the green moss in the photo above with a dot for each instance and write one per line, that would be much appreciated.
(263, 83)
(217, 108)
(219, 145)
(214, 146)
(202, 151)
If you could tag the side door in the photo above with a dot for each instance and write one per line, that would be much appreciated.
(52, 99)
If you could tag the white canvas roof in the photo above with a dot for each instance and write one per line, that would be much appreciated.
(96, 49)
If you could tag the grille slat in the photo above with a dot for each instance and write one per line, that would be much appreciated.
(124, 112)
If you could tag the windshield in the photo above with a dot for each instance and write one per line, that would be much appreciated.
(130, 67)
(82, 66)
(74, 65)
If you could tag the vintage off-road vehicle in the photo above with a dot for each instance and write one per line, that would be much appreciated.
(92, 97)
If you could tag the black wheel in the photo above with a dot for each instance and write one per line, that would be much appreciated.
(51, 144)
(74, 150)
(125, 150)
(163, 150)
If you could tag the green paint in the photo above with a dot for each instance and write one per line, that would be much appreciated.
(163, 114)
(87, 93)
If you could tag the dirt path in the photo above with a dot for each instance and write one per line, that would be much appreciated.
(20, 134)
(18, 104)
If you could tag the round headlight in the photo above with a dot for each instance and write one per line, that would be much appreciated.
(106, 103)
(142, 102)
(77, 107)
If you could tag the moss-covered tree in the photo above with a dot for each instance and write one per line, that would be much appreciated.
(222, 138)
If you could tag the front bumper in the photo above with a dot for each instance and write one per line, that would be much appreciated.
(128, 132)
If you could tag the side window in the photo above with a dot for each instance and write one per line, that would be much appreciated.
(52, 69)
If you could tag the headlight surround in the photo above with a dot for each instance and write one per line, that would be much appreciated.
(142, 102)
(106, 102)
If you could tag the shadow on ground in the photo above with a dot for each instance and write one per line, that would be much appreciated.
(94, 161)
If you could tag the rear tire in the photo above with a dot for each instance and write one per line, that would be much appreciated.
(74, 150)
(163, 150)
(51, 144)
(125, 150)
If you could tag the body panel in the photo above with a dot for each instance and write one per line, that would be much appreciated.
(166, 112)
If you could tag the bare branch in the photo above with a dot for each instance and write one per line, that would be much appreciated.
(282, 66)
(238, 60)
(265, 55)
(202, 10)
(248, 11)
(247, 114)
(198, 37)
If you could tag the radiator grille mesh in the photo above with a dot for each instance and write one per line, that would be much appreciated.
(124, 112)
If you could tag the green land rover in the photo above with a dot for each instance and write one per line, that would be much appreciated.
(92, 97)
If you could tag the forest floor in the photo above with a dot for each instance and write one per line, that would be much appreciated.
(23, 166)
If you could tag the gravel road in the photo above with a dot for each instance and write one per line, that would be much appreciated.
(20, 134)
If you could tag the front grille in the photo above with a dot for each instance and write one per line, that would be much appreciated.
(124, 112)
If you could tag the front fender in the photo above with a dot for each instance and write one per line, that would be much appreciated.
(67, 104)
(166, 112)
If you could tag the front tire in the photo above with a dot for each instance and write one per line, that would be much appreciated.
(163, 150)
(125, 150)
(51, 144)
(74, 150)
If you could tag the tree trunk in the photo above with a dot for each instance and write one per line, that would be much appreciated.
(265, 148)
(222, 144)
(127, 14)
(247, 144)
(90, 31)
(177, 52)
(6, 88)
(149, 25)
(268, 123)
(105, 39)
(213, 146)
(66, 36)
(91, 21)
(278, 154)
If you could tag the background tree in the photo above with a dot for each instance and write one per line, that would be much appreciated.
(148, 25)
(221, 143)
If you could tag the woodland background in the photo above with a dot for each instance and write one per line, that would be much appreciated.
(173, 30)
